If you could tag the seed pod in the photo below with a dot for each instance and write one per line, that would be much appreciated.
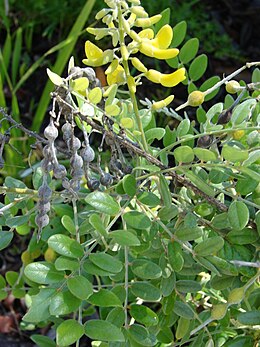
(67, 131)
(76, 162)
(75, 144)
(42, 221)
(87, 154)
(51, 132)
(75, 185)
(59, 171)
(46, 165)
(43, 208)
(46, 151)
(65, 183)
(127, 169)
(77, 174)
(195, 98)
(236, 296)
(218, 311)
(106, 179)
(205, 141)
(93, 184)
(76, 71)
(44, 192)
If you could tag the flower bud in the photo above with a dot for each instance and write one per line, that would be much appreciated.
(233, 87)
(131, 84)
(196, 98)
(236, 295)
(139, 11)
(218, 311)
(154, 52)
(162, 103)
(138, 65)
(153, 76)
(147, 22)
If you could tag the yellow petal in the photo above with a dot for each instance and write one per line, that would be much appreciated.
(162, 103)
(146, 34)
(163, 38)
(154, 76)
(92, 51)
(171, 80)
(117, 76)
(138, 65)
(154, 52)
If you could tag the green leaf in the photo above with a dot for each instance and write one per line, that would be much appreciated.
(16, 221)
(97, 224)
(68, 224)
(145, 291)
(149, 199)
(65, 263)
(188, 286)
(189, 50)
(129, 185)
(234, 154)
(39, 309)
(55, 78)
(92, 269)
(106, 262)
(245, 236)
(183, 328)
(141, 335)
(204, 154)
(103, 331)
(242, 111)
(112, 110)
(116, 316)
(63, 303)
(183, 154)
(95, 95)
(166, 14)
(75, 329)
(66, 246)
(209, 246)
(238, 215)
(183, 310)
(198, 67)
(154, 133)
(200, 183)
(208, 84)
(43, 273)
(146, 269)
(103, 202)
(249, 318)
(175, 256)
(104, 298)
(188, 234)
(168, 284)
(5, 238)
(179, 33)
(125, 237)
(144, 315)
(183, 128)
(42, 341)
(137, 220)
(16, 54)
(80, 287)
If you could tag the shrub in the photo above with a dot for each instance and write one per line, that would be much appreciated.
(142, 236)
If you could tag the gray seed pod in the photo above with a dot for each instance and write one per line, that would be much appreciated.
(75, 185)
(46, 151)
(76, 162)
(46, 165)
(43, 208)
(59, 171)
(67, 131)
(87, 154)
(75, 143)
(93, 184)
(77, 174)
(65, 183)
(76, 71)
(44, 192)
(106, 179)
(51, 132)
(42, 221)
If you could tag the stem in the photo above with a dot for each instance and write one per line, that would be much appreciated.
(128, 74)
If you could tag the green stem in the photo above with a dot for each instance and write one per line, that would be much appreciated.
(128, 74)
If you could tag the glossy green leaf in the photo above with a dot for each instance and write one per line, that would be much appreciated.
(209, 246)
(238, 215)
(39, 309)
(245, 236)
(144, 315)
(188, 234)
(116, 316)
(137, 220)
(43, 341)
(146, 269)
(183, 310)
(106, 262)
(104, 298)
(80, 287)
(103, 202)
(92, 269)
(5, 238)
(97, 224)
(189, 50)
(125, 237)
(75, 329)
(204, 154)
(179, 33)
(198, 67)
(249, 318)
(183, 154)
(234, 154)
(129, 185)
(65, 263)
(103, 331)
(43, 273)
(63, 303)
(175, 256)
(68, 224)
(66, 246)
(188, 286)
(141, 335)
(145, 291)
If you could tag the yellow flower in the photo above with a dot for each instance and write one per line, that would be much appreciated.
(163, 38)
(166, 80)
(95, 55)
(162, 103)
(116, 76)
